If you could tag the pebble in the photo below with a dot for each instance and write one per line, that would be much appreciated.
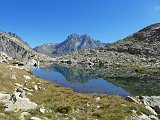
(27, 77)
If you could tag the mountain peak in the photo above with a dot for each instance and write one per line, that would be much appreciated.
(74, 42)
(73, 35)
(86, 35)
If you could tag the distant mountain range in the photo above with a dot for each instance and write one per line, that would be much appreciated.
(73, 43)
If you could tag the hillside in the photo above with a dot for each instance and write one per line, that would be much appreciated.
(144, 42)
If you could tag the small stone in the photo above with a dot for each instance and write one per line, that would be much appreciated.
(33, 82)
(29, 93)
(23, 114)
(35, 87)
(26, 89)
(73, 118)
(42, 110)
(98, 106)
(27, 77)
(18, 85)
(35, 118)
(19, 90)
(88, 105)
(13, 77)
(98, 99)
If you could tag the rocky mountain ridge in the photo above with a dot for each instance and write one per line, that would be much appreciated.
(14, 46)
(145, 42)
(74, 42)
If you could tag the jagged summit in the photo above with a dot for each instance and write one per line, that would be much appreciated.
(74, 42)
(73, 35)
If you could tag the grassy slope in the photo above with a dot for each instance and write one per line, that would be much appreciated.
(61, 103)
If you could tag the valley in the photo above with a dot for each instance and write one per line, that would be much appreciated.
(115, 81)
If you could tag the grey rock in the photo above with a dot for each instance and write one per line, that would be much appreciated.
(152, 117)
(35, 87)
(131, 99)
(42, 110)
(13, 77)
(27, 77)
(157, 109)
(35, 118)
(142, 117)
(23, 114)
(19, 90)
(151, 110)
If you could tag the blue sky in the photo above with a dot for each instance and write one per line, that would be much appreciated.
(51, 21)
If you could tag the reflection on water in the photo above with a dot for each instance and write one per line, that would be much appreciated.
(137, 86)
(83, 83)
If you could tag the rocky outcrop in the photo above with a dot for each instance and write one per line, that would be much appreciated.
(16, 101)
(151, 103)
(4, 57)
(145, 41)
(14, 46)
(73, 43)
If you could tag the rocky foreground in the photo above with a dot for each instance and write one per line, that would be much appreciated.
(26, 97)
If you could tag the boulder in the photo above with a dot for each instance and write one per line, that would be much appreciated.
(152, 117)
(151, 110)
(141, 117)
(131, 99)
(32, 62)
(20, 104)
(157, 109)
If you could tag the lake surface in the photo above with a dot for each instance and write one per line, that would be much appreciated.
(78, 82)
(81, 82)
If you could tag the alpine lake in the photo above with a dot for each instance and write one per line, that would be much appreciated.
(91, 83)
